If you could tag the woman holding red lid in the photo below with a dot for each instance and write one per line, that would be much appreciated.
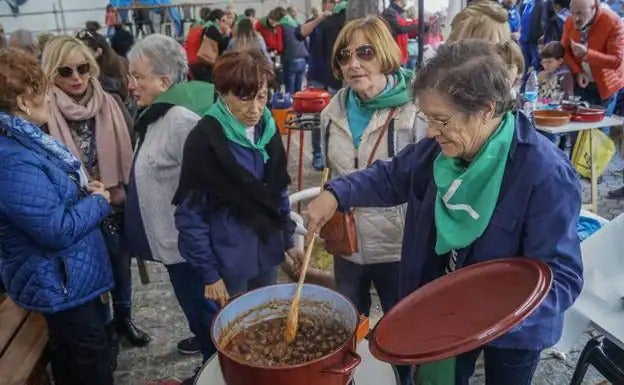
(484, 185)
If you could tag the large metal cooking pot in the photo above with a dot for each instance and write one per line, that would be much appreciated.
(270, 302)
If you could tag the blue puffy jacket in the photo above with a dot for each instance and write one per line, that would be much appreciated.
(52, 252)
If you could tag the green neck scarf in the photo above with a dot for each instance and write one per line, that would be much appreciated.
(341, 6)
(467, 196)
(236, 132)
(399, 95)
(195, 95)
(289, 21)
(265, 21)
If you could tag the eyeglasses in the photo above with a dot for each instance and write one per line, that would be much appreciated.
(435, 123)
(82, 35)
(363, 52)
(67, 72)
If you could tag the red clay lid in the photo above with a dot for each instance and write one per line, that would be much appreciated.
(461, 311)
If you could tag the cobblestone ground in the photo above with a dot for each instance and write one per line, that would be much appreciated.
(156, 310)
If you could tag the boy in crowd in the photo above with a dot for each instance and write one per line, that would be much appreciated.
(555, 81)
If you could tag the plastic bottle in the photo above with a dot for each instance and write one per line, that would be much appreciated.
(531, 90)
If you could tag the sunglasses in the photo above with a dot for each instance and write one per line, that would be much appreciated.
(67, 72)
(363, 53)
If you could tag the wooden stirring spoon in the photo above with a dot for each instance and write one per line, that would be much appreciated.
(292, 322)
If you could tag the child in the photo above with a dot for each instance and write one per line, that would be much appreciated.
(555, 81)
(111, 20)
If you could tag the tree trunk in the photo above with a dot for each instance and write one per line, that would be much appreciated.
(361, 8)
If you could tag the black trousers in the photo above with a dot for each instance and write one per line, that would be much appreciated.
(80, 346)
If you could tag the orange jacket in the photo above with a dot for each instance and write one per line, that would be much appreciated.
(605, 51)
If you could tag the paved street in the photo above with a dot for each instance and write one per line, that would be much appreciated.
(156, 310)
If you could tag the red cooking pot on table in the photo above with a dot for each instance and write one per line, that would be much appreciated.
(335, 368)
(311, 100)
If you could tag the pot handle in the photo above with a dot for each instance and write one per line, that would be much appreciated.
(347, 366)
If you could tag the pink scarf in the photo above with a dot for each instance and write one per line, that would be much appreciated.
(112, 139)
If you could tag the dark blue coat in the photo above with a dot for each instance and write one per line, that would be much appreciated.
(219, 246)
(536, 216)
(53, 256)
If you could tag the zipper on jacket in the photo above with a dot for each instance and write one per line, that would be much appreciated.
(65, 277)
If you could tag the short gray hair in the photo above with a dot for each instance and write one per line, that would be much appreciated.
(24, 39)
(165, 54)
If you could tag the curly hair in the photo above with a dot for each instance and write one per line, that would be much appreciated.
(20, 74)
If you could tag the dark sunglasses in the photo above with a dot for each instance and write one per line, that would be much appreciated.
(363, 52)
(83, 35)
(67, 72)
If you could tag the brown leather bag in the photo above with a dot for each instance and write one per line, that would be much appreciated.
(340, 233)
(208, 51)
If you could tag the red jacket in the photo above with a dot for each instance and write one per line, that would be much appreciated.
(193, 43)
(400, 28)
(272, 36)
(605, 51)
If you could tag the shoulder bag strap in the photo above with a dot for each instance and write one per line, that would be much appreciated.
(384, 129)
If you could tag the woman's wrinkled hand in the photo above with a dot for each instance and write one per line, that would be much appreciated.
(320, 211)
(217, 292)
(97, 188)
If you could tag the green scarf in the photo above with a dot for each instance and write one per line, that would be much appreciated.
(399, 95)
(437, 373)
(195, 95)
(265, 21)
(289, 21)
(341, 6)
(235, 131)
(467, 196)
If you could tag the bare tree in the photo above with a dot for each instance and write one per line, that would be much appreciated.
(361, 8)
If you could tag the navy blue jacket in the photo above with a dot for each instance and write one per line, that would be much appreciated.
(219, 246)
(532, 20)
(293, 47)
(52, 252)
(536, 216)
(318, 66)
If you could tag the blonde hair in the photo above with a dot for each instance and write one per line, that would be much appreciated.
(58, 49)
(376, 31)
(511, 53)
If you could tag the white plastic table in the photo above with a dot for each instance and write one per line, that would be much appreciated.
(599, 304)
(370, 372)
(608, 121)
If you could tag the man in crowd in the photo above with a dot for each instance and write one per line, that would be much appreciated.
(399, 26)
(593, 38)
(122, 40)
(513, 18)
(319, 69)
(531, 29)
(250, 13)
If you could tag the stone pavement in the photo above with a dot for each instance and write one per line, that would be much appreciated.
(156, 310)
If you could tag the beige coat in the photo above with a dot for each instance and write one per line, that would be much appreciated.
(482, 19)
(380, 230)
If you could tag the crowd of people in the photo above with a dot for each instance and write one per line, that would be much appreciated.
(168, 152)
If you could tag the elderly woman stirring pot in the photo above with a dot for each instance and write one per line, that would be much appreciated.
(483, 185)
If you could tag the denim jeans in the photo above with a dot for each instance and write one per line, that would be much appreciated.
(502, 366)
(293, 74)
(199, 311)
(79, 345)
(237, 285)
(531, 56)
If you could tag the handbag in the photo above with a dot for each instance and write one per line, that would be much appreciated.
(208, 51)
(340, 232)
